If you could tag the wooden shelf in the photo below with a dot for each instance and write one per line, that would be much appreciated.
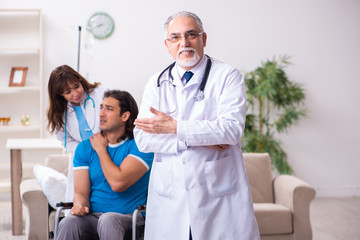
(19, 128)
(19, 51)
(20, 12)
(12, 90)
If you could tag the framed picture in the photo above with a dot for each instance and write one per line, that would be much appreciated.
(18, 76)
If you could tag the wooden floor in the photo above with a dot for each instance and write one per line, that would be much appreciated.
(335, 218)
(331, 218)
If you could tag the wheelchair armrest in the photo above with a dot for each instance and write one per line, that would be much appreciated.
(141, 208)
(65, 205)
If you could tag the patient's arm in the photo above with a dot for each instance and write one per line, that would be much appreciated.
(81, 192)
(120, 177)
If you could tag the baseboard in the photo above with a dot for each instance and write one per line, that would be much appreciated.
(345, 191)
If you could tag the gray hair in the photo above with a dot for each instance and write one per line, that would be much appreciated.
(183, 14)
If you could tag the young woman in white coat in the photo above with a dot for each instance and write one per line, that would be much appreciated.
(73, 112)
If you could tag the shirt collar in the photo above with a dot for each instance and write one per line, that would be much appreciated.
(117, 144)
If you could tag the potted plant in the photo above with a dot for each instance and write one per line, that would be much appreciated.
(274, 103)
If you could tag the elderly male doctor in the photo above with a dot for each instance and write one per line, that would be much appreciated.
(198, 186)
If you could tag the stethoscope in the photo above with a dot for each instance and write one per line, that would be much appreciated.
(199, 96)
(87, 129)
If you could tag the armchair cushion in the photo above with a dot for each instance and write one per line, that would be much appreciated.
(273, 218)
(52, 182)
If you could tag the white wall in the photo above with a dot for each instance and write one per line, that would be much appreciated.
(322, 36)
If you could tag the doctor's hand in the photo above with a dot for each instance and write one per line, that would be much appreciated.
(99, 142)
(220, 147)
(161, 123)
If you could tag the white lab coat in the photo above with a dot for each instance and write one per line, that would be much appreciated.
(192, 185)
(73, 137)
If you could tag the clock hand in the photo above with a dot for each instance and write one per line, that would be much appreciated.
(96, 26)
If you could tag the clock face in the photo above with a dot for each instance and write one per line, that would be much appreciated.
(101, 25)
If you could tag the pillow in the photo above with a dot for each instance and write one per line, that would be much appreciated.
(52, 182)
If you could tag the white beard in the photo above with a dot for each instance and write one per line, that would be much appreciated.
(190, 62)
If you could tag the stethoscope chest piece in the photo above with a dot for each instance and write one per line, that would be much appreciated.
(199, 96)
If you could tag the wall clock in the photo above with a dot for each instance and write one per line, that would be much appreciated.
(101, 25)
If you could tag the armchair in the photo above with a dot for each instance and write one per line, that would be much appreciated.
(40, 215)
(281, 204)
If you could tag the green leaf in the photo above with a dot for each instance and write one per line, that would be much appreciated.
(274, 105)
(289, 117)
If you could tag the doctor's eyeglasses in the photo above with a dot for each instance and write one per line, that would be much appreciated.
(174, 38)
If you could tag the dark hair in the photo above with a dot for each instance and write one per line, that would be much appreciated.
(127, 104)
(60, 79)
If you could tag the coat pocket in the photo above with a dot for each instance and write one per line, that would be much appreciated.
(221, 176)
(163, 178)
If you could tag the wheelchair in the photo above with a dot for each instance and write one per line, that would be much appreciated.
(137, 227)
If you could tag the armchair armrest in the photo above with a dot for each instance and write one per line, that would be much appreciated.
(295, 194)
(37, 208)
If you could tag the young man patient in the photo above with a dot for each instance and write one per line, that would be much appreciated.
(110, 175)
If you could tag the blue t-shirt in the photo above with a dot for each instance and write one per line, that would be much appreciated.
(102, 197)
